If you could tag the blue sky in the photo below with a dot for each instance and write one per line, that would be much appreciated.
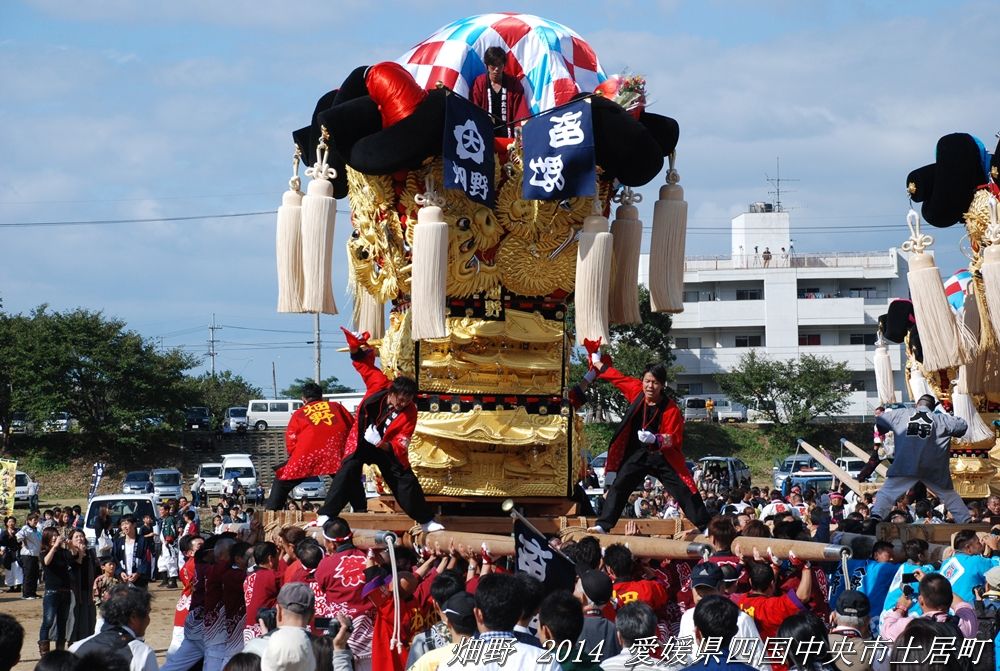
(129, 110)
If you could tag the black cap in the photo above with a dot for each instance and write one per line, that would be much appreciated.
(853, 603)
(597, 586)
(458, 610)
(706, 574)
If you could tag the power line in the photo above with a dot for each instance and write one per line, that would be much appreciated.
(132, 200)
(153, 220)
(249, 328)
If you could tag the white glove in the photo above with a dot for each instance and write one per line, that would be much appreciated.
(373, 436)
(595, 359)
(647, 437)
(609, 478)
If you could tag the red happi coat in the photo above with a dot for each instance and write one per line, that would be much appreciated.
(671, 424)
(186, 575)
(341, 577)
(260, 590)
(315, 439)
(400, 430)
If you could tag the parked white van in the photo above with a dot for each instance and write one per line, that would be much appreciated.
(265, 413)
(351, 400)
(238, 466)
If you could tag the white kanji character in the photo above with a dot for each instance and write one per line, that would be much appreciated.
(467, 651)
(566, 130)
(841, 648)
(547, 173)
(498, 650)
(640, 651)
(470, 142)
(942, 648)
(878, 648)
(972, 649)
(776, 650)
(478, 184)
(744, 649)
(532, 558)
(677, 651)
(460, 176)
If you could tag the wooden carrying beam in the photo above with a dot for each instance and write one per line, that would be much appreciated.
(837, 471)
(644, 546)
(860, 454)
(780, 547)
(861, 545)
(366, 539)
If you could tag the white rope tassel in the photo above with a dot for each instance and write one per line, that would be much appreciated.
(319, 217)
(666, 250)
(976, 369)
(991, 269)
(395, 642)
(430, 271)
(288, 245)
(939, 335)
(883, 374)
(964, 406)
(594, 252)
(918, 383)
(369, 314)
(626, 234)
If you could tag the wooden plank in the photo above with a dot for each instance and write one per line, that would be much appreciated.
(837, 471)
(860, 454)
(932, 533)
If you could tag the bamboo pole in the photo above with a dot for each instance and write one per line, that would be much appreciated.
(861, 545)
(744, 546)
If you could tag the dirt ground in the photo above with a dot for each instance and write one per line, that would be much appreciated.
(29, 614)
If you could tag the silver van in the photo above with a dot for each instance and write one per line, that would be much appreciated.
(167, 484)
(234, 420)
(265, 413)
(694, 409)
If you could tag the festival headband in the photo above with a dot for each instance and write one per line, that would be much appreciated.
(339, 539)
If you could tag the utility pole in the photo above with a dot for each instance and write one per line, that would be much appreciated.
(317, 343)
(211, 343)
(274, 380)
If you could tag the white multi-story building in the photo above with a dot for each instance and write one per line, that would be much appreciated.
(824, 304)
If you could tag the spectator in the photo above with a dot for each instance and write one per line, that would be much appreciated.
(58, 660)
(706, 581)
(244, 661)
(296, 607)
(620, 566)
(716, 618)
(497, 611)
(636, 625)
(132, 554)
(102, 585)
(58, 589)
(261, 586)
(935, 598)
(443, 586)
(851, 622)
(915, 550)
(30, 538)
(809, 650)
(84, 572)
(460, 618)
(289, 649)
(11, 640)
(126, 617)
(767, 609)
(10, 547)
(531, 591)
(922, 638)
(594, 592)
(968, 566)
(560, 623)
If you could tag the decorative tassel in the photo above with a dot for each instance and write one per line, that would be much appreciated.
(666, 250)
(939, 335)
(369, 314)
(965, 407)
(288, 243)
(430, 269)
(918, 383)
(975, 370)
(991, 269)
(626, 234)
(319, 217)
(593, 277)
(883, 374)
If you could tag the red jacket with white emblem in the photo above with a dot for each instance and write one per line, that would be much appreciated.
(341, 577)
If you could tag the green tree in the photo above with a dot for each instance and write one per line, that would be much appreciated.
(331, 385)
(15, 379)
(223, 390)
(632, 348)
(108, 378)
(790, 393)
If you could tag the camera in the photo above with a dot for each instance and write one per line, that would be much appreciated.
(331, 625)
(909, 577)
(907, 591)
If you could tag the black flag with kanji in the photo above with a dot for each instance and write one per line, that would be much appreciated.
(534, 556)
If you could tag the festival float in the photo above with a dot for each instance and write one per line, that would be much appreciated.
(477, 247)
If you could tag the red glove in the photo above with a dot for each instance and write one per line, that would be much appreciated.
(355, 342)
(594, 355)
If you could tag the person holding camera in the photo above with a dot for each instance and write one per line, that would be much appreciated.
(56, 561)
(939, 603)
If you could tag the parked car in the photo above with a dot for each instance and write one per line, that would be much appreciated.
(20, 423)
(694, 409)
(211, 473)
(58, 422)
(757, 413)
(730, 471)
(167, 484)
(729, 411)
(264, 413)
(234, 420)
(797, 464)
(118, 506)
(23, 484)
(597, 463)
(240, 467)
(310, 488)
(136, 482)
(820, 482)
(852, 465)
(197, 418)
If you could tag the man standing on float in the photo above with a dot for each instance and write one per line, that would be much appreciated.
(648, 441)
(386, 419)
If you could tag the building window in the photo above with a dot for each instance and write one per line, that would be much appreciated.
(809, 340)
(690, 388)
(748, 341)
(687, 343)
(748, 294)
(690, 296)
(864, 292)
(863, 339)
(858, 385)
